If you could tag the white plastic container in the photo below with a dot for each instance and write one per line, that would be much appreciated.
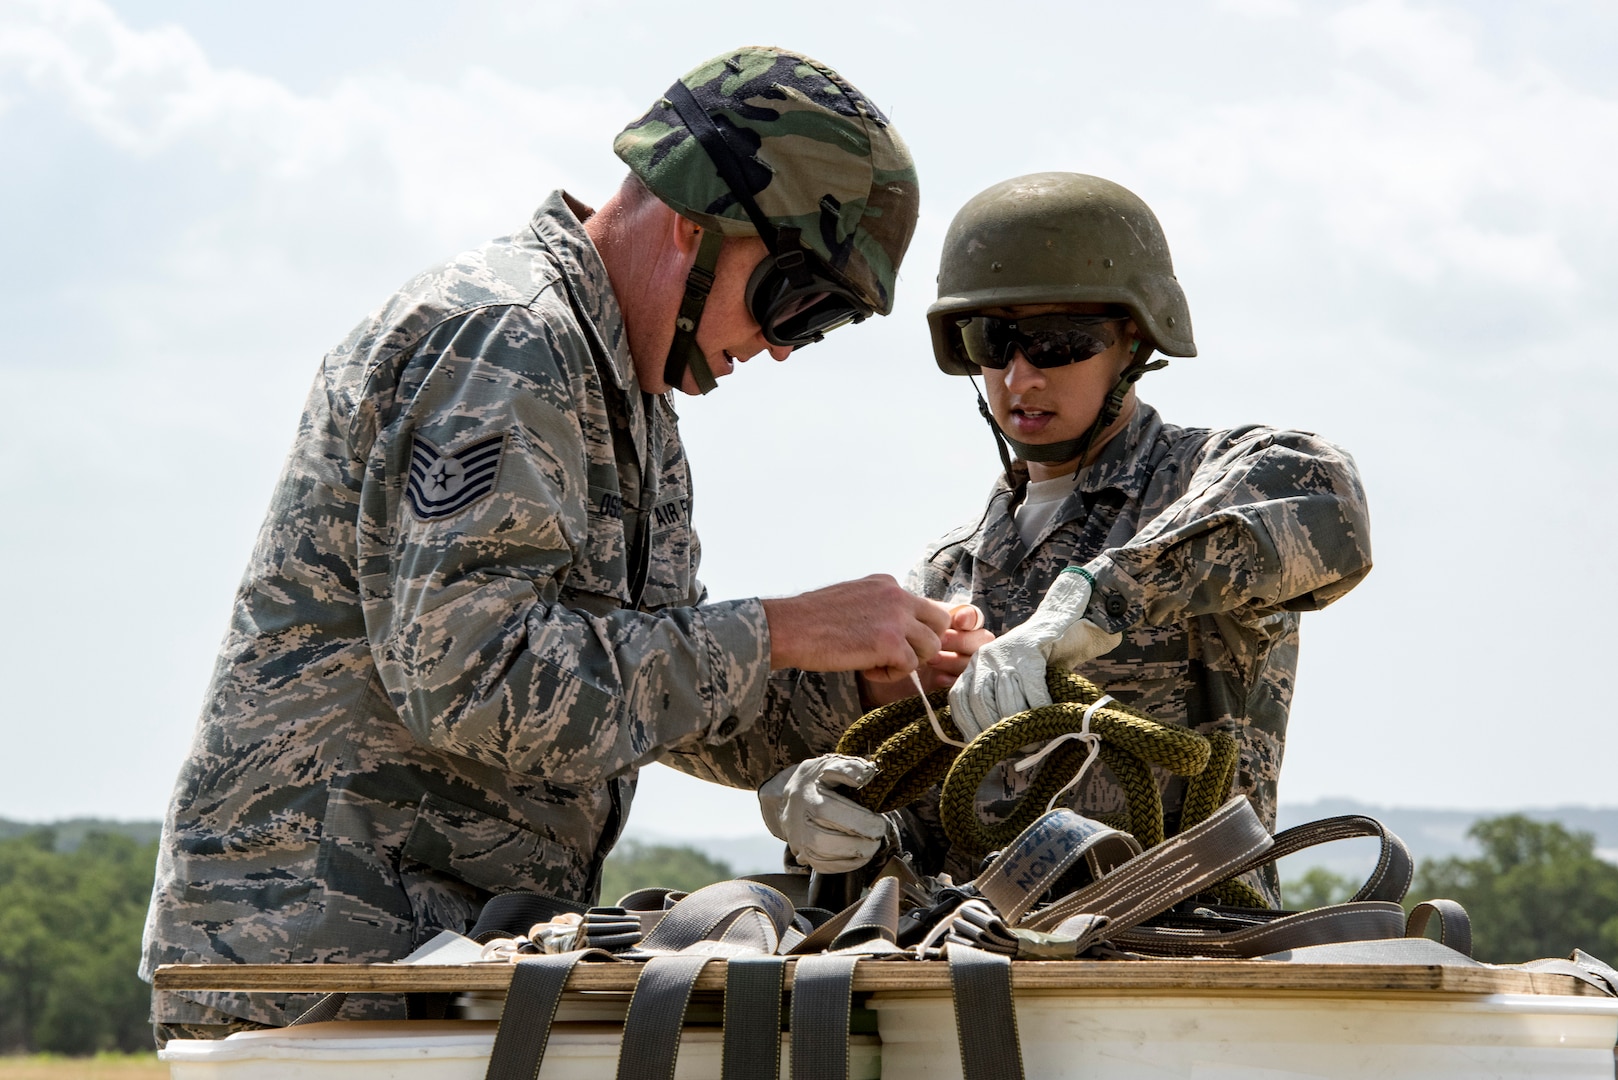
(1291, 1036)
(444, 1050)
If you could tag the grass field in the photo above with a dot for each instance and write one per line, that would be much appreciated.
(130, 1067)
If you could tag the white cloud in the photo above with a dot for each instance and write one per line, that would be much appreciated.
(1261, 9)
(432, 155)
(1412, 161)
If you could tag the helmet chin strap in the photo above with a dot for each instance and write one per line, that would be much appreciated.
(1074, 449)
(683, 350)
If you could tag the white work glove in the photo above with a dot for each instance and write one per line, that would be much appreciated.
(825, 830)
(1007, 675)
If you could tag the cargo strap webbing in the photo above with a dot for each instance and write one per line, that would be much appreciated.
(525, 1025)
(985, 1018)
(1373, 913)
(1021, 874)
(753, 1018)
(510, 914)
(1178, 868)
(822, 997)
(1454, 926)
(1128, 907)
(1204, 934)
(747, 915)
(656, 1015)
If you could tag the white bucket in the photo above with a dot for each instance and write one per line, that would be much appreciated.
(445, 1050)
(1254, 1037)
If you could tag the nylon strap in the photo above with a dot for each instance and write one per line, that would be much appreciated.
(1581, 965)
(753, 1018)
(683, 349)
(651, 1042)
(1026, 870)
(1389, 879)
(875, 919)
(711, 137)
(985, 1017)
(1418, 950)
(999, 436)
(525, 1025)
(323, 1010)
(1454, 924)
(1047, 453)
(822, 994)
(700, 916)
(1365, 920)
(1178, 868)
(511, 914)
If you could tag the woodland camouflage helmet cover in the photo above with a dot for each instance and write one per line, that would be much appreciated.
(1051, 238)
(824, 160)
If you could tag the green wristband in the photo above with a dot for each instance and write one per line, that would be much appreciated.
(1082, 572)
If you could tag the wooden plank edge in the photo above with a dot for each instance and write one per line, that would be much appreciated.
(1212, 977)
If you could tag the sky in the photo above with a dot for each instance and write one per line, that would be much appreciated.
(1393, 220)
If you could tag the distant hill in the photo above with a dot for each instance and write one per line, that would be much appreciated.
(71, 833)
(1430, 834)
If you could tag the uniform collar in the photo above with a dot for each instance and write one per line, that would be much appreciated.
(1123, 462)
(1124, 465)
(559, 226)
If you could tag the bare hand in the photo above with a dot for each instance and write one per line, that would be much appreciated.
(871, 625)
(964, 637)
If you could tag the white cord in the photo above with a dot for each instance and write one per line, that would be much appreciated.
(932, 717)
(1084, 735)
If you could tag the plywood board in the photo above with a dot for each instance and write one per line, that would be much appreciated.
(1214, 977)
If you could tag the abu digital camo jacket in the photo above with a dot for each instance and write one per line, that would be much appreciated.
(1205, 546)
(470, 616)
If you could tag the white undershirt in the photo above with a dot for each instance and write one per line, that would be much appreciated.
(1039, 505)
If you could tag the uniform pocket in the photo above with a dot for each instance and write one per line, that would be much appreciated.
(488, 853)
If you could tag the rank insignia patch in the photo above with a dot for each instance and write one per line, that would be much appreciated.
(442, 484)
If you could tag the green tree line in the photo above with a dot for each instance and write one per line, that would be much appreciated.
(1536, 889)
(70, 926)
(70, 920)
(71, 913)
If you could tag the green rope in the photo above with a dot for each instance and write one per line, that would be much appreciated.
(908, 756)
(910, 760)
(1131, 742)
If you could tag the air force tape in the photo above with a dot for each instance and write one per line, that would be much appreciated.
(443, 484)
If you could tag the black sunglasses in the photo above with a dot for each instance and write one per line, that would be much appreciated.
(1048, 341)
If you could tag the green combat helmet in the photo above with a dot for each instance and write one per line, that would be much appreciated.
(1059, 238)
(768, 143)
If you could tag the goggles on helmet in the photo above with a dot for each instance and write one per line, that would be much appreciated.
(796, 299)
(1047, 341)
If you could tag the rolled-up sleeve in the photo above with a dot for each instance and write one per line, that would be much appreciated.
(1273, 521)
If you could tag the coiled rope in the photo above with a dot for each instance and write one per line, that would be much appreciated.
(910, 759)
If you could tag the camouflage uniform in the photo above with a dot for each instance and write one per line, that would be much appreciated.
(470, 616)
(1205, 546)
(472, 612)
